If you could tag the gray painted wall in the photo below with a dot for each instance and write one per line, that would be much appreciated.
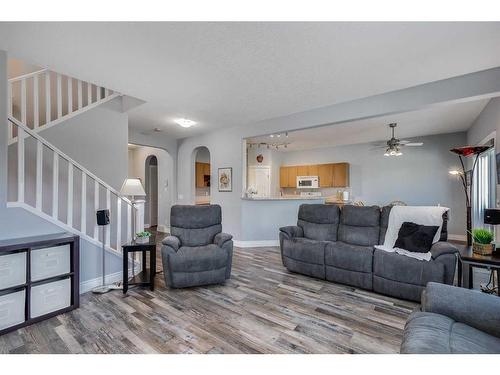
(166, 184)
(226, 145)
(486, 123)
(418, 177)
(3, 129)
(81, 134)
(97, 139)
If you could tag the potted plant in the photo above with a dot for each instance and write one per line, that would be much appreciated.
(482, 241)
(142, 237)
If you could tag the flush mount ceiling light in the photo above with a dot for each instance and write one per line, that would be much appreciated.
(184, 122)
(278, 135)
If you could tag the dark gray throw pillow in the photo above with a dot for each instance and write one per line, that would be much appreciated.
(416, 238)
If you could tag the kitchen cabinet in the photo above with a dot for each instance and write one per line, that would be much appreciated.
(330, 175)
(340, 175)
(302, 170)
(202, 174)
(284, 177)
(292, 177)
(325, 174)
(313, 170)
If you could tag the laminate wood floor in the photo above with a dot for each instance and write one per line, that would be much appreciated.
(263, 308)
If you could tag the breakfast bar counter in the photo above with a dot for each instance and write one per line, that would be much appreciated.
(262, 217)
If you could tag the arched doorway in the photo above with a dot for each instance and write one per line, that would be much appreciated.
(202, 180)
(151, 187)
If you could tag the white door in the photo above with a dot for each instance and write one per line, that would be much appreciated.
(260, 178)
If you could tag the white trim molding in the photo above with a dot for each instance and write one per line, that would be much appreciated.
(457, 237)
(88, 285)
(263, 243)
(163, 228)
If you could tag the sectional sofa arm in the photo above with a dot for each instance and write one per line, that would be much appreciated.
(221, 238)
(292, 231)
(172, 242)
(471, 307)
(442, 248)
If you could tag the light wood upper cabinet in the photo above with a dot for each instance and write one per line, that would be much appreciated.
(313, 170)
(284, 177)
(330, 175)
(292, 177)
(341, 175)
(206, 169)
(302, 170)
(202, 170)
(325, 173)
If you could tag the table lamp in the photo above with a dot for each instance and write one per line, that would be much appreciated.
(132, 187)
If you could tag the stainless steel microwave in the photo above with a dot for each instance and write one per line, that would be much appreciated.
(307, 182)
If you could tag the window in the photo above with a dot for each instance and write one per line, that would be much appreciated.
(484, 187)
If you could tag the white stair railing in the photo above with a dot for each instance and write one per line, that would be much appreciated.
(120, 229)
(44, 98)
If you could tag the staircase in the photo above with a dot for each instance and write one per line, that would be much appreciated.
(44, 180)
(42, 99)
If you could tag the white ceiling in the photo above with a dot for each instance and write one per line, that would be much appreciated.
(435, 120)
(228, 74)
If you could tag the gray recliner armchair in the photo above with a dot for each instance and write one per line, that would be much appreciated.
(453, 320)
(197, 252)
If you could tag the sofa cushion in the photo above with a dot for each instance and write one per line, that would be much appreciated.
(360, 225)
(198, 258)
(428, 333)
(384, 222)
(319, 221)
(400, 268)
(415, 237)
(349, 257)
(305, 250)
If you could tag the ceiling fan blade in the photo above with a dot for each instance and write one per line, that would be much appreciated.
(413, 144)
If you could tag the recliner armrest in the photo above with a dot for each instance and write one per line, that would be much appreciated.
(221, 238)
(471, 307)
(442, 248)
(292, 231)
(172, 242)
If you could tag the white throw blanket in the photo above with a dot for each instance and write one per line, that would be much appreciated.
(422, 215)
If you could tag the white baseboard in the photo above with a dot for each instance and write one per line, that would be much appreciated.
(163, 228)
(457, 237)
(264, 243)
(87, 286)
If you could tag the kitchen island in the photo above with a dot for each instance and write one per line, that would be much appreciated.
(262, 218)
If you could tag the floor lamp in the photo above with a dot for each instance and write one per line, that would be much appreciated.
(132, 187)
(465, 152)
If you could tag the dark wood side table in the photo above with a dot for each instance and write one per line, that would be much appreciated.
(147, 276)
(468, 259)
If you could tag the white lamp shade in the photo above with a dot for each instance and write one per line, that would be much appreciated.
(132, 187)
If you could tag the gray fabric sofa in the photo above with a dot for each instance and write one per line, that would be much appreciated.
(197, 252)
(453, 320)
(338, 245)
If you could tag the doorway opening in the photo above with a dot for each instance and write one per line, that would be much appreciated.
(202, 176)
(151, 187)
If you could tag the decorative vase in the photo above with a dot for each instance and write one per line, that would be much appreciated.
(482, 249)
(142, 240)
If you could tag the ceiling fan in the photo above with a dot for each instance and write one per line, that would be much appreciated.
(152, 131)
(393, 146)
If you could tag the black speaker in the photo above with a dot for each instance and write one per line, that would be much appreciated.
(103, 217)
(492, 216)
